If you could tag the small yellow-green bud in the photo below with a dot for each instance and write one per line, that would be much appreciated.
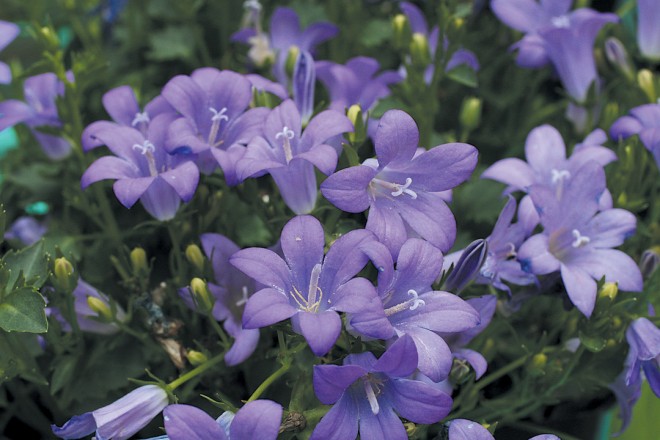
(419, 50)
(539, 360)
(195, 257)
(616, 322)
(100, 307)
(64, 276)
(470, 116)
(50, 37)
(458, 22)
(609, 290)
(139, 260)
(645, 82)
(611, 343)
(411, 428)
(401, 30)
(359, 132)
(196, 357)
(291, 58)
(201, 295)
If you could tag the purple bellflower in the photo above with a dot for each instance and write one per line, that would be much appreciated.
(644, 340)
(231, 290)
(643, 121)
(368, 395)
(119, 420)
(8, 32)
(306, 286)
(289, 155)
(401, 185)
(122, 106)
(255, 420)
(39, 109)
(626, 396)
(462, 429)
(27, 230)
(648, 33)
(215, 124)
(578, 242)
(466, 265)
(411, 307)
(303, 82)
(144, 170)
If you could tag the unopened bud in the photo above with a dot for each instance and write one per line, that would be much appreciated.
(195, 257)
(294, 422)
(618, 56)
(64, 276)
(359, 132)
(419, 50)
(617, 322)
(611, 343)
(291, 58)
(139, 260)
(467, 267)
(401, 30)
(196, 357)
(303, 82)
(411, 429)
(460, 372)
(645, 82)
(609, 290)
(539, 360)
(100, 307)
(649, 261)
(201, 295)
(470, 116)
(49, 35)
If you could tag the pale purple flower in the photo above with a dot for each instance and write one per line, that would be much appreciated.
(306, 286)
(39, 109)
(648, 32)
(119, 420)
(463, 429)
(626, 396)
(578, 242)
(303, 82)
(122, 106)
(27, 230)
(231, 291)
(8, 32)
(401, 185)
(368, 395)
(255, 420)
(289, 155)
(467, 264)
(216, 122)
(644, 121)
(143, 170)
(644, 355)
(411, 307)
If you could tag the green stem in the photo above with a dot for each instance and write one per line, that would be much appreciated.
(176, 248)
(269, 381)
(501, 372)
(195, 372)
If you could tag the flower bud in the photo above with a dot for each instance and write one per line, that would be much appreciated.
(291, 58)
(618, 56)
(411, 429)
(401, 30)
(537, 367)
(609, 290)
(139, 260)
(196, 357)
(645, 82)
(470, 116)
(419, 50)
(460, 372)
(468, 266)
(195, 257)
(649, 261)
(64, 277)
(100, 307)
(359, 133)
(304, 80)
(201, 295)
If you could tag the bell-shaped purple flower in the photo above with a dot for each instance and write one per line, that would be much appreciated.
(143, 170)
(644, 340)
(8, 32)
(368, 395)
(648, 32)
(643, 121)
(289, 155)
(215, 124)
(304, 80)
(410, 306)
(27, 230)
(39, 109)
(306, 286)
(578, 242)
(119, 420)
(401, 185)
(466, 266)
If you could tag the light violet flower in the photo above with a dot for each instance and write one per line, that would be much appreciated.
(8, 32)
(462, 429)
(289, 155)
(307, 286)
(27, 230)
(368, 395)
(644, 355)
(39, 109)
(578, 242)
(648, 32)
(643, 121)
(401, 185)
(143, 170)
(303, 82)
(119, 420)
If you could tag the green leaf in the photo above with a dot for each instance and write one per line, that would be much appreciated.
(376, 32)
(172, 43)
(23, 311)
(463, 74)
(593, 343)
(31, 262)
(64, 369)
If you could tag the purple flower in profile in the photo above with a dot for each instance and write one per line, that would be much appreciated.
(119, 420)
(643, 121)
(289, 155)
(306, 286)
(215, 124)
(122, 106)
(303, 83)
(231, 290)
(39, 109)
(259, 419)
(368, 395)
(411, 307)
(648, 32)
(8, 32)
(463, 429)
(644, 340)
(401, 185)
(578, 242)
(27, 230)
(144, 170)
(355, 82)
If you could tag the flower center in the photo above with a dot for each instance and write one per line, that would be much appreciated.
(147, 149)
(558, 175)
(218, 116)
(411, 304)
(580, 240)
(286, 134)
(561, 22)
(395, 189)
(140, 118)
(311, 303)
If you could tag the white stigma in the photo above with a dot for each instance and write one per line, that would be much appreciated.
(140, 117)
(561, 22)
(371, 397)
(145, 148)
(580, 240)
(558, 175)
(314, 284)
(219, 115)
(286, 134)
(416, 301)
(244, 297)
(403, 189)
(411, 304)
(314, 293)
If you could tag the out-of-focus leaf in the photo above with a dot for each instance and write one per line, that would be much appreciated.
(463, 74)
(23, 311)
(172, 43)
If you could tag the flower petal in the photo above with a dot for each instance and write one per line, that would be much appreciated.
(418, 401)
(258, 419)
(512, 171)
(397, 137)
(340, 423)
(183, 422)
(347, 188)
(321, 330)
(264, 266)
(108, 167)
(581, 288)
(129, 190)
(121, 105)
(266, 307)
(331, 381)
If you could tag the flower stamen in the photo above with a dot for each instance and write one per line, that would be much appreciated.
(216, 119)
(140, 117)
(580, 240)
(403, 189)
(286, 134)
(411, 304)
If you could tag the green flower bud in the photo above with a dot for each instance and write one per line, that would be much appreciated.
(645, 82)
(359, 132)
(419, 50)
(460, 372)
(195, 257)
(609, 290)
(196, 357)
(64, 277)
(201, 295)
(139, 260)
(401, 30)
(291, 58)
(100, 307)
(470, 116)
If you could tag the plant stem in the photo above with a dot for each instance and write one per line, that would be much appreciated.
(195, 372)
(269, 381)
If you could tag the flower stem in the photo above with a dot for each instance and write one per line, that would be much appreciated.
(194, 372)
(269, 381)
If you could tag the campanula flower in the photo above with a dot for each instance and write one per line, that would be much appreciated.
(27, 230)
(644, 355)
(303, 82)
(643, 121)
(648, 33)
(8, 32)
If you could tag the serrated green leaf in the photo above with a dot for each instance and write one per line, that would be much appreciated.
(23, 311)
(31, 262)
(463, 74)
